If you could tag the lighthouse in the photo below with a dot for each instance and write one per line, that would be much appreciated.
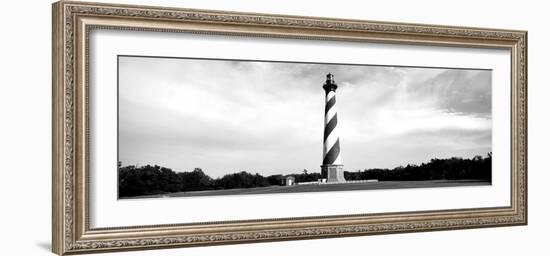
(332, 165)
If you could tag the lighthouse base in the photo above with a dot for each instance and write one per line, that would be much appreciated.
(333, 172)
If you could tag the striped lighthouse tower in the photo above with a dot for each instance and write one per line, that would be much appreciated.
(332, 159)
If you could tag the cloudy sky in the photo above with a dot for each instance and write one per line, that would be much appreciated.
(267, 117)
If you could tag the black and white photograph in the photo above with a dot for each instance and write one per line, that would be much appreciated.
(212, 127)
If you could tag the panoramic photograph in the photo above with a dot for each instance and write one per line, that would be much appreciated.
(217, 127)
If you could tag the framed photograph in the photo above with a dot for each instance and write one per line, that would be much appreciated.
(180, 127)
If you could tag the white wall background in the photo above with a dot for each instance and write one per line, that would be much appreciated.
(25, 114)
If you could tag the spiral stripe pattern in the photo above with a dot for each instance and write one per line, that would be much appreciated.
(331, 145)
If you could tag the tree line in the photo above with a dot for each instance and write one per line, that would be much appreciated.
(153, 179)
(476, 168)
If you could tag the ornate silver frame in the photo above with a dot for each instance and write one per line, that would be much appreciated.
(72, 22)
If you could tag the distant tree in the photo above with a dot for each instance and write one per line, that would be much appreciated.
(242, 180)
(195, 180)
(275, 180)
(305, 176)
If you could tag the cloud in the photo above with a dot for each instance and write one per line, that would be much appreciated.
(463, 91)
(267, 117)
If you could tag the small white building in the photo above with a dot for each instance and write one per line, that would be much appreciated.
(290, 180)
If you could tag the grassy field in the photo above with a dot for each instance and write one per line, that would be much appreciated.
(326, 187)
